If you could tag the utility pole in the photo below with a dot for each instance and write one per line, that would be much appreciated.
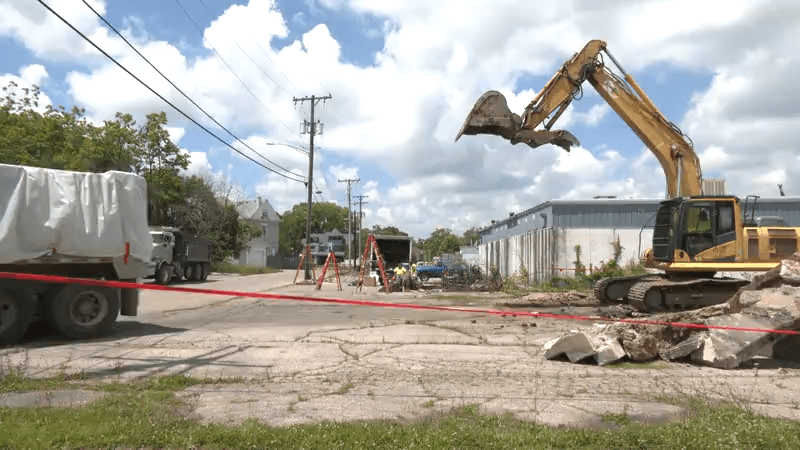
(360, 215)
(311, 129)
(350, 216)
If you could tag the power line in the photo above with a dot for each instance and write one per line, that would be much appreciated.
(229, 67)
(154, 92)
(182, 93)
(262, 50)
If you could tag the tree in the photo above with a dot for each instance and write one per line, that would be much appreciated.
(471, 236)
(442, 240)
(160, 163)
(202, 212)
(325, 217)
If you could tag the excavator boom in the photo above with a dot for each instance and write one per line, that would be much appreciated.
(674, 151)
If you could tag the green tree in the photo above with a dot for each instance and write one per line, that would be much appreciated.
(54, 138)
(160, 164)
(471, 236)
(325, 217)
(442, 240)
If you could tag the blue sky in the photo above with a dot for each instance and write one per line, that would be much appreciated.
(404, 75)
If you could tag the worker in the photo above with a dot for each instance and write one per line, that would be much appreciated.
(399, 271)
(414, 269)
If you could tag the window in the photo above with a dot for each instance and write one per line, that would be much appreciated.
(698, 219)
(725, 224)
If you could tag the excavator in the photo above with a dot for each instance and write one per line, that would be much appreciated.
(695, 236)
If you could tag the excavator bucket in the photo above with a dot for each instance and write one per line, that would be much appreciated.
(491, 115)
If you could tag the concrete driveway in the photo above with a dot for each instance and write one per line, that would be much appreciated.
(294, 362)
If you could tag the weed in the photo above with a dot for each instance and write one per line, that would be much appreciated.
(621, 419)
(345, 389)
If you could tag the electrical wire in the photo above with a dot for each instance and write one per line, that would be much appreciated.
(156, 93)
(229, 67)
(262, 50)
(184, 94)
(275, 8)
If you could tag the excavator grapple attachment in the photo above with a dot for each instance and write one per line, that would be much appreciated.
(491, 115)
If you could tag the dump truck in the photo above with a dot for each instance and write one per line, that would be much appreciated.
(695, 235)
(71, 224)
(178, 255)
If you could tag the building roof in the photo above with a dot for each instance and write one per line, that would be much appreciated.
(258, 209)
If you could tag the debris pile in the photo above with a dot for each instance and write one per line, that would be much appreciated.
(771, 301)
(571, 298)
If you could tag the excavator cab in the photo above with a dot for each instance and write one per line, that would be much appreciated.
(692, 227)
(491, 115)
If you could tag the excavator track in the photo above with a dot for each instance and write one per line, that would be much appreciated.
(615, 290)
(655, 295)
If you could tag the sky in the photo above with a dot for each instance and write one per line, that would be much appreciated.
(402, 77)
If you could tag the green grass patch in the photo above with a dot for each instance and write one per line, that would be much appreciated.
(226, 267)
(146, 414)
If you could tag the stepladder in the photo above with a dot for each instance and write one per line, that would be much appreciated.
(305, 256)
(330, 260)
(369, 249)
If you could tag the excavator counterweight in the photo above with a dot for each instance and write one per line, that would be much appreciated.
(491, 115)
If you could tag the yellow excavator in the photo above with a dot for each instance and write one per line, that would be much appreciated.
(695, 235)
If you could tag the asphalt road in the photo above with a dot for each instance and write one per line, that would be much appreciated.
(298, 362)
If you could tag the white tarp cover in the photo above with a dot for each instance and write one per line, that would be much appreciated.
(75, 213)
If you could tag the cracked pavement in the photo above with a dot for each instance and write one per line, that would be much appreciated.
(288, 362)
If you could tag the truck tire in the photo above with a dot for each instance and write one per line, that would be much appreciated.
(16, 313)
(424, 277)
(204, 269)
(163, 274)
(82, 312)
(189, 272)
(198, 272)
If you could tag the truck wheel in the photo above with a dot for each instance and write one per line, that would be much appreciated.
(424, 277)
(198, 272)
(163, 274)
(16, 313)
(81, 312)
(188, 272)
(203, 272)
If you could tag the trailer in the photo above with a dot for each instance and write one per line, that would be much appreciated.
(72, 224)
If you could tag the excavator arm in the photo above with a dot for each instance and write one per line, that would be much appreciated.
(671, 147)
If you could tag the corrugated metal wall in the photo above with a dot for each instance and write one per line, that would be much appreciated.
(536, 250)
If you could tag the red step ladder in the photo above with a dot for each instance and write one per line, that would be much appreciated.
(371, 246)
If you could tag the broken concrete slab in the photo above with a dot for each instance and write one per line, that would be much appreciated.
(580, 345)
(683, 348)
(60, 399)
(728, 349)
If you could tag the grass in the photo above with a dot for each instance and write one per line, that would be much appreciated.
(226, 267)
(146, 414)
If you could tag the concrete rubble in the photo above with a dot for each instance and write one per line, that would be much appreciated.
(771, 301)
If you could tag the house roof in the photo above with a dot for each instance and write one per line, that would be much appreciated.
(258, 209)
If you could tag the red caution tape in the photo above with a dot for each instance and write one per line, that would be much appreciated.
(495, 312)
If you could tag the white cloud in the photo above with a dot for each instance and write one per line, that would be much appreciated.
(401, 113)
